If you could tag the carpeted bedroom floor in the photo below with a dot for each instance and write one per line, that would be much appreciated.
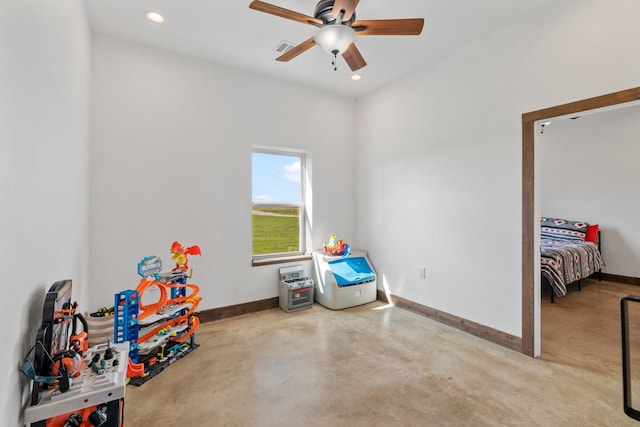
(378, 365)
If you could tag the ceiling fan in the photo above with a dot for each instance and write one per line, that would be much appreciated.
(336, 20)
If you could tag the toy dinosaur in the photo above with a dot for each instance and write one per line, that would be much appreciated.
(181, 255)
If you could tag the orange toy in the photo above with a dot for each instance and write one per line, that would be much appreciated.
(180, 255)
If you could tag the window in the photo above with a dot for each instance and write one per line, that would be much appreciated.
(278, 214)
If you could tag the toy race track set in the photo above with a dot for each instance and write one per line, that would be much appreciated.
(75, 385)
(161, 332)
(72, 385)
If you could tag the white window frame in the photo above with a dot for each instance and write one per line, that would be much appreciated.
(303, 206)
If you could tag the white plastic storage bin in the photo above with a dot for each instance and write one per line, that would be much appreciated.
(344, 281)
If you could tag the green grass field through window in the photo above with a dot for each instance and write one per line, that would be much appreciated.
(275, 230)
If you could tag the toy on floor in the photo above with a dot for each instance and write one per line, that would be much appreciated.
(169, 323)
(345, 281)
(72, 384)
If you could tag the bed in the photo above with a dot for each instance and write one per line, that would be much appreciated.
(569, 252)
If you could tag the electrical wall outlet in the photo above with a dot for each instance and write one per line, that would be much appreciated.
(422, 273)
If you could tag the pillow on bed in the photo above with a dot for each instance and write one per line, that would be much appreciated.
(562, 229)
(592, 233)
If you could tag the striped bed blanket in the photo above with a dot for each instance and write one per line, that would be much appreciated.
(566, 261)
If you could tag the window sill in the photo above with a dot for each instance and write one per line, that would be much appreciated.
(280, 260)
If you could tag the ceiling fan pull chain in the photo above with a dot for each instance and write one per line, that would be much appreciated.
(335, 60)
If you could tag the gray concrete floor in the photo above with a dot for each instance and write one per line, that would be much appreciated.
(373, 365)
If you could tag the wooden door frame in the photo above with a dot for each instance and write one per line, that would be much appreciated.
(528, 162)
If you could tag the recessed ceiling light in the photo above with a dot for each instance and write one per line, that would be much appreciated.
(543, 125)
(356, 77)
(155, 17)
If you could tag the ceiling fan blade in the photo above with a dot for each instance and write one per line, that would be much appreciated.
(349, 6)
(283, 13)
(292, 53)
(389, 27)
(354, 59)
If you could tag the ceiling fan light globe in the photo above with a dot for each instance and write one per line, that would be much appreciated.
(334, 38)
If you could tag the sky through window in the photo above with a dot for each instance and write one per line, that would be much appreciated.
(275, 178)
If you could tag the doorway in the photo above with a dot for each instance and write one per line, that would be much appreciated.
(530, 289)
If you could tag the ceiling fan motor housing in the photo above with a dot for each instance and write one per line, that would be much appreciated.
(323, 12)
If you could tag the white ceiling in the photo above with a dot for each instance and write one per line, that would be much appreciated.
(228, 32)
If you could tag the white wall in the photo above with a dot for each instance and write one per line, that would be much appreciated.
(44, 155)
(589, 172)
(171, 160)
(439, 154)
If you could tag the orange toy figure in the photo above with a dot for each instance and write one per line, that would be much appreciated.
(180, 254)
(335, 247)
